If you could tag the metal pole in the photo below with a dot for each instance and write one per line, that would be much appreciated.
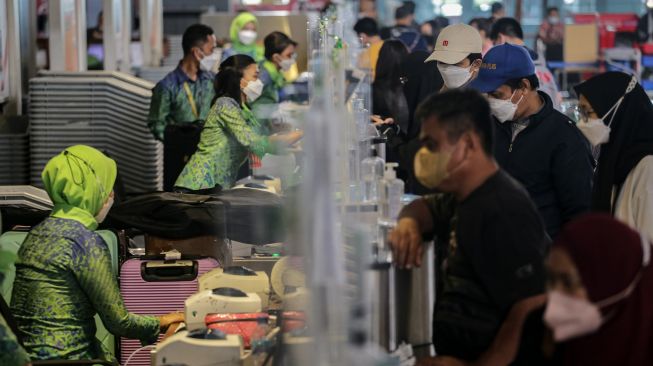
(126, 33)
(67, 22)
(151, 15)
(14, 105)
(111, 35)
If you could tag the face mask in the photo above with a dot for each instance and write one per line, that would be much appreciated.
(595, 130)
(247, 37)
(253, 90)
(104, 211)
(454, 76)
(287, 64)
(554, 20)
(570, 317)
(431, 167)
(504, 110)
(208, 62)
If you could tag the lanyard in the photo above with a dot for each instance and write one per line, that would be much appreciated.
(191, 100)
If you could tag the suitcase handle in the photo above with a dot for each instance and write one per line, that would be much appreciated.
(167, 271)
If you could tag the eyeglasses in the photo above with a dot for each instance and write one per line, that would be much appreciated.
(579, 111)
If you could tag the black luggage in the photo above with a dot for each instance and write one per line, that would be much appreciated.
(245, 215)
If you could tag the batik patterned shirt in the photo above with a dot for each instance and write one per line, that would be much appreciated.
(171, 103)
(231, 132)
(63, 278)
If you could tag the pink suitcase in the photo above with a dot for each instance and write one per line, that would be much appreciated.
(157, 287)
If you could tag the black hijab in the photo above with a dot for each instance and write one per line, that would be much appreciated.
(631, 136)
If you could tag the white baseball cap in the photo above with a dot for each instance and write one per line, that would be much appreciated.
(456, 42)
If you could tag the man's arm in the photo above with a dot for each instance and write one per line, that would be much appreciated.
(159, 111)
(416, 220)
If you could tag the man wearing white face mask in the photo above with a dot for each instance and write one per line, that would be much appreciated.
(536, 144)
(280, 56)
(185, 94)
(458, 55)
(490, 240)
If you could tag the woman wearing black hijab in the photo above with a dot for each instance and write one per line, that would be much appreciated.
(617, 118)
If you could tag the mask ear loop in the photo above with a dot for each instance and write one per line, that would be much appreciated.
(631, 86)
(646, 258)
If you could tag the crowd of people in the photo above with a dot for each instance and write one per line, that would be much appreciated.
(542, 225)
(524, 205)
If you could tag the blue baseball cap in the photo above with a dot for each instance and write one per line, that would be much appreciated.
(500, 64)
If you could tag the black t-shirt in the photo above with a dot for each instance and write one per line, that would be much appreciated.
(494, 257)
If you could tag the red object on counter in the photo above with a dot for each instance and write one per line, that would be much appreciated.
(243, 325)
(293, 320)
(609, 25)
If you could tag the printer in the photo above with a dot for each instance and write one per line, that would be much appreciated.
(199, 347)
(238, 277)
(223, 300)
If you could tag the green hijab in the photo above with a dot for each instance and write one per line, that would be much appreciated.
(79, 182)
(254, 50)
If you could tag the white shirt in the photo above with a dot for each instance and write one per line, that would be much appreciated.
(635, 203)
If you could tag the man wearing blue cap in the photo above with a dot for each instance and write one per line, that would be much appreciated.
(537, 145)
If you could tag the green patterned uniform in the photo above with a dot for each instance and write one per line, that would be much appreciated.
(230, 133)
(63, 272)
(63, 277)
(11, 353)
(171, 104)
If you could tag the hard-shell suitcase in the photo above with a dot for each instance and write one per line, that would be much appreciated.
(157, 287)
(11, 242)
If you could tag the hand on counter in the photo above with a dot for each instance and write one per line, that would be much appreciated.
(406, 243)
(172, 329)
(286, 139)
(165, 321)
(378, 120)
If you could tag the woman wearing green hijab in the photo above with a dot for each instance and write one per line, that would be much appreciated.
(63, 272)
(243, 38)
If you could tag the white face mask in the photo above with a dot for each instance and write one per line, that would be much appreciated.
(504, 110)
(104, 211)
(247, 37)
(288, 63)
(594, 129)
(207, 63)
(455, 76)
(554, 20)
(570, 317)
(253, 90)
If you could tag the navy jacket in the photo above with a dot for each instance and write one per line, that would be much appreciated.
(553, 160)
